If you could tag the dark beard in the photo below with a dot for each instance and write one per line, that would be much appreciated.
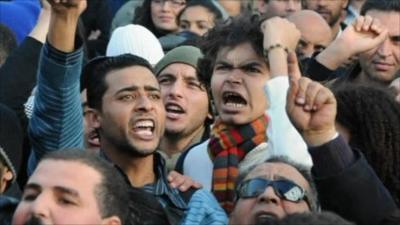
(34, 221)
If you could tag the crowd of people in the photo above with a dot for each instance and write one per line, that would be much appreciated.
(253, 112)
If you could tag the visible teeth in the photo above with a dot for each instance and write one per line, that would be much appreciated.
(144, 132)
(174, 107)
(230, 104)
(144, 124)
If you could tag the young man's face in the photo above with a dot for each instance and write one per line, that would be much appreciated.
(383, 62)
(60, 192)
(268, 205)
(185, 99)
(132, 119)
(237, 84)
(331, 10)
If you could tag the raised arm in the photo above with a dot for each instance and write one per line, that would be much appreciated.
(364, 34)
(56, 122)
(277, 44)
(346, 184)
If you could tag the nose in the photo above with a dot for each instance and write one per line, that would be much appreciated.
(268, 197)
(290, 7)
(384, 49)
(176, 89)
(235, 77)
(166, 5)
(40, 207)
(144, 104)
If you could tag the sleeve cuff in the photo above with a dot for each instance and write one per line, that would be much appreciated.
(331, 158)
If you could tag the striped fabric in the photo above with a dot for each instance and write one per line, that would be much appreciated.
(227, 147)
(57, 96)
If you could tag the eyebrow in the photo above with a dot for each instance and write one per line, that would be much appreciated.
(151, 88)
(245, 64)
(280, 177)
(34, 186)
(68, 191)
(136, 88)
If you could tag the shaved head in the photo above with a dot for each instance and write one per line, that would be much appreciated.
(315, 31)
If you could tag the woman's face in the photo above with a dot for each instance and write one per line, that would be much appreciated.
(164, 13)
(196, 19)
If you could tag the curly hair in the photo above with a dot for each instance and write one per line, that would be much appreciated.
(373, 119)
(233, 32)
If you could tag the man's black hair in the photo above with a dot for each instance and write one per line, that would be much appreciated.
(95, 73)
(8, 42)
(372, 117)
(380, 5)
(236, 31)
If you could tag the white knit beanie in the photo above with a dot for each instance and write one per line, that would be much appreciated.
(136, 40)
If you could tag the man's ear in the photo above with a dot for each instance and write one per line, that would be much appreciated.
(8, 175)
(6, 178)
(93, 118)
(112, 220)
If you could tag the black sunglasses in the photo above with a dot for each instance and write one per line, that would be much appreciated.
(284, 189)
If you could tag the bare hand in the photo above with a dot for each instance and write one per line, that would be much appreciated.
(182, 182)
(280, 31)
(68, 7)
(364, 34)
(310, 106)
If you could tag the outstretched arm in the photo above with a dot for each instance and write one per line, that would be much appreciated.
(364, 34)
(346, 184)
(56, 122)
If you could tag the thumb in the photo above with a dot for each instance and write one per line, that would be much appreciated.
(293, 67)
(381, 37)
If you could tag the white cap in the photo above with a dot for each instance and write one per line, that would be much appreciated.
(136, 40)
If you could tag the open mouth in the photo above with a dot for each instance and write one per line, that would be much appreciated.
(174, 111)
(144, 127)
(233, 99)
(174, 108)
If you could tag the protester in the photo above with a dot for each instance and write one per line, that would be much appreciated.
(199, 17)
(315, 33)
(186, 102)
(10, 160)
(126, 109)
(332, 11)
(73, 187)
(159, 16)
(235, 68)
(369, 118)
(7, 43)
